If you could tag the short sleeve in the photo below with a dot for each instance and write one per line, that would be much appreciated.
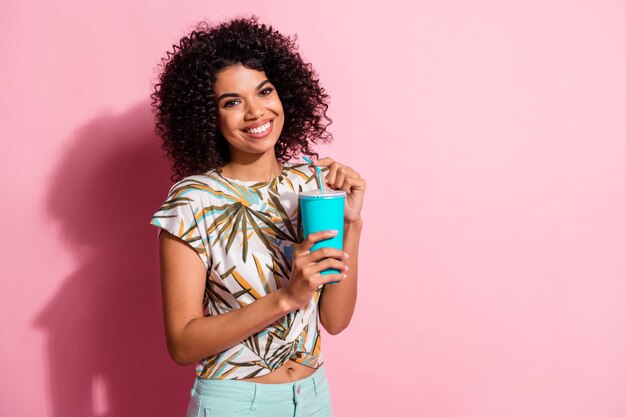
(178, 217)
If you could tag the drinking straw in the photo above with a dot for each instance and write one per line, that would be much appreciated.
(319, 173)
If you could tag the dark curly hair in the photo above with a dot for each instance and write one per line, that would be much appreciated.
(183, 100)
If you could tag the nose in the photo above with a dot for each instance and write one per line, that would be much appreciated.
(254, 110)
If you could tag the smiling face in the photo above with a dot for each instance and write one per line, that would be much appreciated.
(250, 114)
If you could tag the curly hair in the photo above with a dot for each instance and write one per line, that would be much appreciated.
(183, 100)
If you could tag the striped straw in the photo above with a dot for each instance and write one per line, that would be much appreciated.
(319, 173)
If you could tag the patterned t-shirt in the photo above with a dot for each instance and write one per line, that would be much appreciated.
(245, 232)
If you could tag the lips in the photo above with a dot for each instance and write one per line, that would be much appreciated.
(257, 125)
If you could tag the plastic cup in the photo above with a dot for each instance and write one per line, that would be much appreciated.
(323, 210)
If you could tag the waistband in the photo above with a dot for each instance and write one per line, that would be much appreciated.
(259, 393)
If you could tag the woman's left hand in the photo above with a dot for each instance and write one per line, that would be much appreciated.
(342, 177)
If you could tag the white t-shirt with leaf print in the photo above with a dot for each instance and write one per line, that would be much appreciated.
(245, 233)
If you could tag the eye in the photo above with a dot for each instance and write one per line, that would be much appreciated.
(230, 103)
(266, 91)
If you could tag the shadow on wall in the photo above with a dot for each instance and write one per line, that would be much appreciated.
(106, 342)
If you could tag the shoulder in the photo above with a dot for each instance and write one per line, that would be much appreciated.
(190, 189)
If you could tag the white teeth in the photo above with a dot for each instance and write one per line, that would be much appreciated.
(260, 129)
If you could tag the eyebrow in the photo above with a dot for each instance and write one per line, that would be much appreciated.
(237, 95)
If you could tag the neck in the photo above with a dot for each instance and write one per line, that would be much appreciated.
(259, 168)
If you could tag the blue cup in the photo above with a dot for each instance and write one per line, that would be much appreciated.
(323, 210)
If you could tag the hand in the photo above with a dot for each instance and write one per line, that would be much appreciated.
(305, 275)
(342, 177)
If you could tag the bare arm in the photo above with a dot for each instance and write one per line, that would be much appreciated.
(338, 301)
(190, 336)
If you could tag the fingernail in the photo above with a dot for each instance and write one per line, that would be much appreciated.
(346, 267)
(334, 232)
(306, 253)
(345, 275)
(345, 255)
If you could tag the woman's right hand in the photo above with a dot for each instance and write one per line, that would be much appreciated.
(305, 275)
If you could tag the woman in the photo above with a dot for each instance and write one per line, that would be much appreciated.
(243, 296)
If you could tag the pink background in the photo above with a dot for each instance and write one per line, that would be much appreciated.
(492, 137)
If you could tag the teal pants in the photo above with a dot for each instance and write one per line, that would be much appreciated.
(308, 397)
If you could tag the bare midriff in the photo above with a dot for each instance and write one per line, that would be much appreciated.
(291, 371)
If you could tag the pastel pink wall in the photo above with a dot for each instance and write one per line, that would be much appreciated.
(491, 134)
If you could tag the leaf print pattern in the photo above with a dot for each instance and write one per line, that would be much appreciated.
(245, 233)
